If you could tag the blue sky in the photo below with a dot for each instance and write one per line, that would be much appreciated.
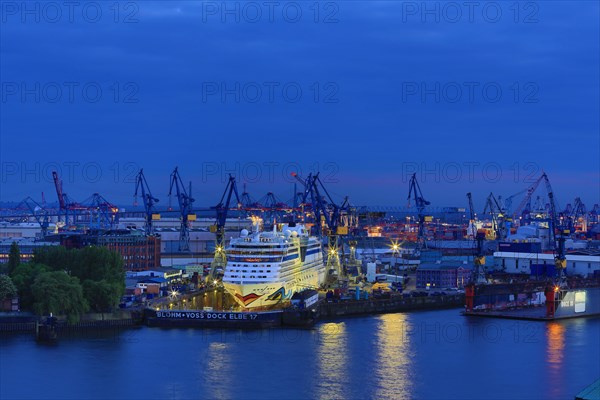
(473, 100)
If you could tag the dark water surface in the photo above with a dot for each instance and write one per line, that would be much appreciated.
(423, 355)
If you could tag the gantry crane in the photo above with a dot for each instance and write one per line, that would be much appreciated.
(222, 209)
(326, 212)
(558, 242)
(185, 201)
(479, 257)
(472, 229)
(573, 214)
(414, 192)
(38, 212)
(525, 204)
(272, 208)
(142, 188)
(100, 213)
(492, 206)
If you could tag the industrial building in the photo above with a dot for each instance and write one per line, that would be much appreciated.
(443, 274)
(26, 248)
(584, 262)
(139, 252)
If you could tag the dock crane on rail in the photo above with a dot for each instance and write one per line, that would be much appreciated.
(574, 214)
(414, 192)
(99, 212)
(326, 211)
(492, 206)
(524, 205)
(185, 201)
(142, 188)
(558, 242)
(38, 212)
(220, 258)
(102, 213)
(479, 257)
(472, 229)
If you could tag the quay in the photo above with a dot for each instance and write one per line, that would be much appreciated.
(295, 317)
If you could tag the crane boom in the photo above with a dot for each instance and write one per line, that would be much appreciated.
(142, 188)
(185, 201)
(59, 190)
(414, 192)
(220, 257)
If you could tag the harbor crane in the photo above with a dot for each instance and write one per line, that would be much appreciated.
(479, 258)
(326, 212)
(492, 206)
(102, 213)
(220, 258)
(414, 192)
(96, 211)
(38, 212)
(142, 188)
(558, 242)
(575, 214)
(273, 208)
(525, 204)
(185, 201)
(472, 229)
(507, 203)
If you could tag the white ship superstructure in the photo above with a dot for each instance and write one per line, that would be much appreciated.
(265, 268)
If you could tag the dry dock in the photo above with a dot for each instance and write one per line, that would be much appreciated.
(391, 305)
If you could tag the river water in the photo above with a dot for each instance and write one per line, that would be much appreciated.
(419, 355)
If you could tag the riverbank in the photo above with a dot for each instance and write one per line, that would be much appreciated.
(26, 322)
(176, 313)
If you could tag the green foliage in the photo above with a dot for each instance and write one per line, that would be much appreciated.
(57, 292)
(102, 295)
(23, 277)
(100, 269)
(14, 257)
(94, 263)
(7, 288)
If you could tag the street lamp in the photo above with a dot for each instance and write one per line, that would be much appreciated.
(395, 247)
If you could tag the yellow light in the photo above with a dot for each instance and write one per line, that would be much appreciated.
(556, 288)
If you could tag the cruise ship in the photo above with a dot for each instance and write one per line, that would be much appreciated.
(265, 268)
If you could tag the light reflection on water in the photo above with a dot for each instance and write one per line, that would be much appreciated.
(217, 370)
(555, 353)
(421, 355)
(332, 357)
(394, 357)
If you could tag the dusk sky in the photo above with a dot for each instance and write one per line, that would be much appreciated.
(478, 98)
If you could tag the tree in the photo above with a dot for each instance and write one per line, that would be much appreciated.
(91, 262)
(7, 288)
(14, 257)
(51, 282)
(102, 296)
(23, 277)
(57, 292)
(100, 270)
